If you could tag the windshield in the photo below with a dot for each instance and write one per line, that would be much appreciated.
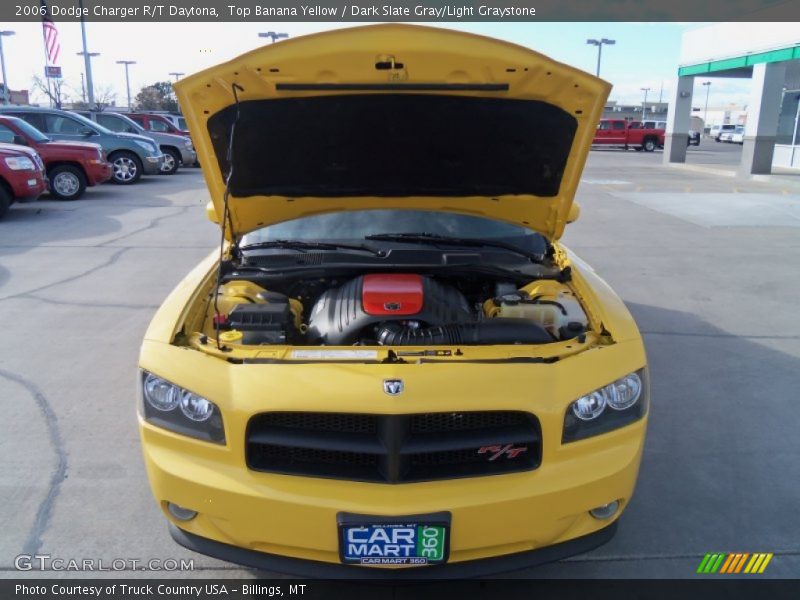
(30, 130)
(356, 225)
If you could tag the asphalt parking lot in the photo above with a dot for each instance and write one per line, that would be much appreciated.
(709, 266)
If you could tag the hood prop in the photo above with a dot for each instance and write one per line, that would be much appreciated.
(227, 219)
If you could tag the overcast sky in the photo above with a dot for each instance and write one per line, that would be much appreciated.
(645, 55)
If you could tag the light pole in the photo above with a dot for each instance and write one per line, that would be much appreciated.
(644, 104)
(707, 85)
(599, 43)
(87, 57)
(127, 63)
(177, 75)
(3, 63)
(273, 35)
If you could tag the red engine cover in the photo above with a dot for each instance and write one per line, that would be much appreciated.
(392, 294)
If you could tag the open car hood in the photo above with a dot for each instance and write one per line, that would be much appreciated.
(393, 116)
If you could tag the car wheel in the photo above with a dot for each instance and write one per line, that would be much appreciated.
(67, 182)
(127, 168)
(172, 161)
(649, 145)
(5, 201)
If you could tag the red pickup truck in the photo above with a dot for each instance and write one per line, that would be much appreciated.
(71, 166)
(628, 134)
(21, 176)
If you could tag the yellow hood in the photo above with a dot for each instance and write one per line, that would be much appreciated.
(520, 127)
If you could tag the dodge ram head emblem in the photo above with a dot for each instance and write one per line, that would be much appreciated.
(393, 387)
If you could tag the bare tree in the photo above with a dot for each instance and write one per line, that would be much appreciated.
(56, 91)
(104, 96)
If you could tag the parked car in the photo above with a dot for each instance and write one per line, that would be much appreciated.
(459, 402)
(70, 166)
(737, 137)
(176, 119)
(156, 123)
(717, 131)
(694, 138)
(131, 156)
(178, 149)
(628, 134)
(22, 176)
(726, 136)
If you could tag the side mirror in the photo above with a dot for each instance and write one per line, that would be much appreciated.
(87, 132)
(19, 140)
(574, 212)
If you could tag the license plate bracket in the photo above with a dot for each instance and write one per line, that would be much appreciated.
(404, 541)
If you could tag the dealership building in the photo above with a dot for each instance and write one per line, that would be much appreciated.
(766, 53)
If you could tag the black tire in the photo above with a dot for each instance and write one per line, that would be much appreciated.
(67, 182)
(649, 145)
(172, 160)
(127, 167)
(5, 201)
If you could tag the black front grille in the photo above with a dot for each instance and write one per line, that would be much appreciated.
(394, 448)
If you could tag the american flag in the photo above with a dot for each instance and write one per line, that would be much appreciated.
(51, 45)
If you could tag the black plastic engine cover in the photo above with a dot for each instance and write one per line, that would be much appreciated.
(338, 317)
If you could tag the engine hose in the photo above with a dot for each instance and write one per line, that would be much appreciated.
(494, 331)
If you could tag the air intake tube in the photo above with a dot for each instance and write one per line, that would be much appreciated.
(494, 331)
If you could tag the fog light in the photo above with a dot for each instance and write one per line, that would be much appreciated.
(180, 513)
(606, 511)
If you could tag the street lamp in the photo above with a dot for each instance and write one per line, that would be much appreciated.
(127, 79)
(707, 85)
(599, 43)
(177, 75)
(3, 63)
(274, 36)
(644, 104)
(87, 56)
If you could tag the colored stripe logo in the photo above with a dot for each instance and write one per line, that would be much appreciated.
(737, 562)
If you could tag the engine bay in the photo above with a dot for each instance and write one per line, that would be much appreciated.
(391, 309)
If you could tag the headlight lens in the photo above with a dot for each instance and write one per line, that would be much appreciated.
(196, 407)
(613, 406)
(624, 392)
(172, 407)
(160, 394)
(188, 144)
(147, 146)
(20, 163)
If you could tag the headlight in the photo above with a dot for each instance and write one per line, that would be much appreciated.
(611, 407)
(172, 407)
(20, 163)
(147, 146)
(188, 144)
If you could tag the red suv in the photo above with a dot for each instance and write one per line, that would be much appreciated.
(21, 176)
(71, 166)
(156, 123)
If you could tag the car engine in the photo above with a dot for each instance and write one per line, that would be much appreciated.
(400, 309)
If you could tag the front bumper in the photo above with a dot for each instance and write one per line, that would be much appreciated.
(98, 172)
(463, 570)
(152, 164)
(188, 157)
(296, 516)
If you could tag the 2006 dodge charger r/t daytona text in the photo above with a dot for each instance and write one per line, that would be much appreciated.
(391, 366)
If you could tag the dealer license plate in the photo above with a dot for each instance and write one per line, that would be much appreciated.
(417, 540)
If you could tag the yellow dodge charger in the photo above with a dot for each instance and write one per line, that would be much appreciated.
(391, 367)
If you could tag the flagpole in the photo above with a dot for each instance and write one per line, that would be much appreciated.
(46, 14)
